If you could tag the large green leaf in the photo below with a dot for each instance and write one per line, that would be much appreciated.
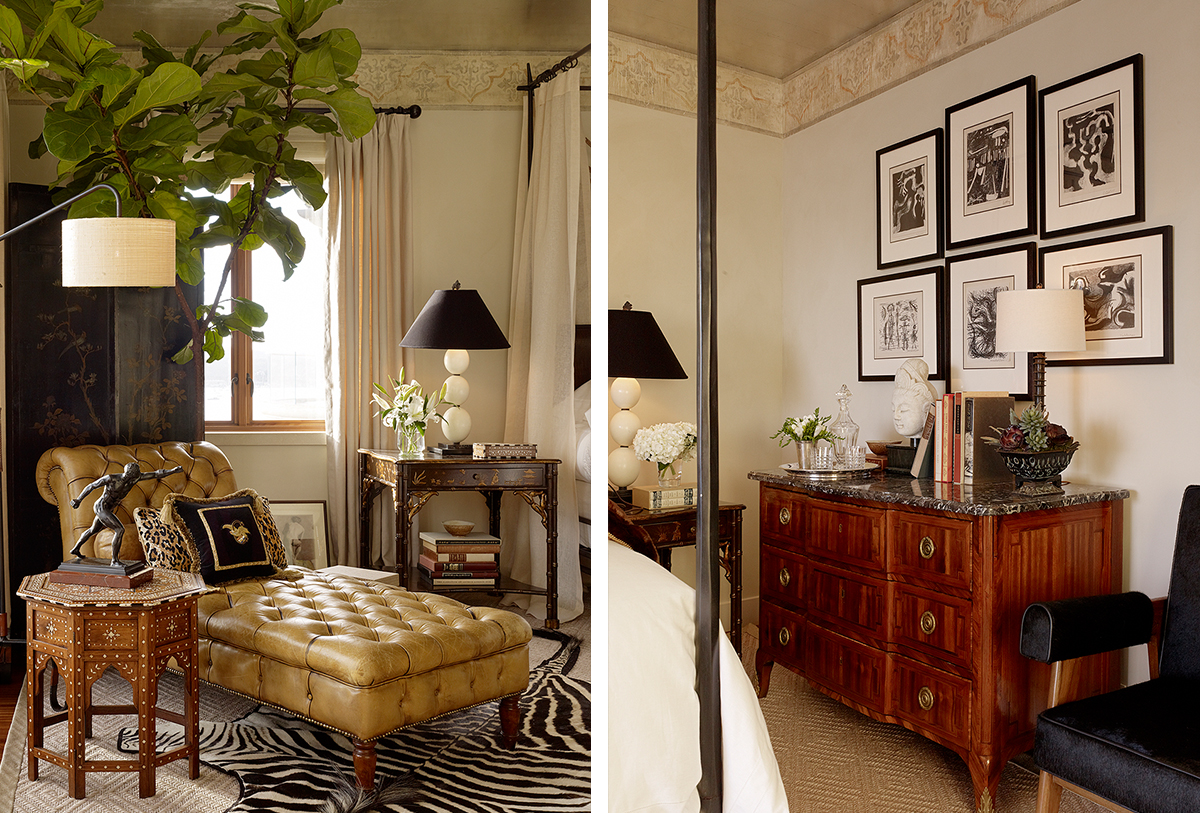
(170, 84)
(313, 9)
(189, 56)
(353, 111)
(43, 31)
(163, 130)
(346, 51)
(307, 180)
(12, 36)
(166, 206)
(152, 51)
(315, 68)
(25, 69)
(189, 264)
(284, 236)
(116, 79)
(291, 10)
(242, 24)
(283, 36)
(249, 312)
(72, 136)
(214, 349)
(78, 45)
(161, 165)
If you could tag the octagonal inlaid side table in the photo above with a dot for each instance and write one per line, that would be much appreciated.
(85, 630)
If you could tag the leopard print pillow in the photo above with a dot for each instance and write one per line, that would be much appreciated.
(163, 543)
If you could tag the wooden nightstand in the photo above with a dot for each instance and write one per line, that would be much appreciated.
(672, 528)
(87, 629)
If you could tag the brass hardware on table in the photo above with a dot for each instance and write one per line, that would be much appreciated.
(785, 578)
(927, 548)
(925, 698)
(785, 637)
(928, 622)
(785, 516)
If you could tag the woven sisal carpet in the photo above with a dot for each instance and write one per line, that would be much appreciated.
(835, 760)
(214, 792)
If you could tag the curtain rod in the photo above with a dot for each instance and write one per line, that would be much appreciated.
(412, 110)
(548, 74)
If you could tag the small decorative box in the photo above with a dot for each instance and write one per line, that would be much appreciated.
(505, 451)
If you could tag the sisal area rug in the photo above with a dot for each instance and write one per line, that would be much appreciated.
(256, 758)
(835, 760)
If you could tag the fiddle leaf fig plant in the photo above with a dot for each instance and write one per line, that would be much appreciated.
(174, 132)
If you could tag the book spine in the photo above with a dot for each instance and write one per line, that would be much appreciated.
(459, 556)
(461, 547)
(958, 458)
(939, 422)
(434, 566)
(464, 576)
(923, 445)
(968, 440)
(664, 498)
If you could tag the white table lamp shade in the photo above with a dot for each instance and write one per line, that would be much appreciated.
(1040, 320)
(118, 251)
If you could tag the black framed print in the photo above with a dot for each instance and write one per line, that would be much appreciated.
(899, 318)
(1127, 296)
(1092, 152)
(975, 362)
(989, 165)
(908, 200)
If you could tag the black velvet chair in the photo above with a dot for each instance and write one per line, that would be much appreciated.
(1137, 748)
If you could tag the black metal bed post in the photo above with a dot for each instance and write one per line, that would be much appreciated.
(708, 608)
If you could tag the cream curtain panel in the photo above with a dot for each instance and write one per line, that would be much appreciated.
(540, 405)
(369, 300)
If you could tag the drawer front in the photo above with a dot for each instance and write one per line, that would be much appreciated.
(932, 624)
(931, 700)
(847, 667)
(782, 633)
(782, 576)
(849, 602)
(780, 513)
(932, 550)
(846, 534)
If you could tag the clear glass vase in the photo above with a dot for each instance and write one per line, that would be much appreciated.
(411, 443)
(668, 477)
(844, 429)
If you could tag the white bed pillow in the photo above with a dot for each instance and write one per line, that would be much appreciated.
(583, 432)
(654, 714)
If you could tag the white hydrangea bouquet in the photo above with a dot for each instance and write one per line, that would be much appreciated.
(666, 444)
(409, 410)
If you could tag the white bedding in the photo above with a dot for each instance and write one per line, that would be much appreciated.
(654, 714)
(583, 454)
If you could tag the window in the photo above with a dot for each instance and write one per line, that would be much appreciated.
(278, 383)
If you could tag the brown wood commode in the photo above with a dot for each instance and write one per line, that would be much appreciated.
(415, 480)
(85, 630)
(671, 528)
(903, 599)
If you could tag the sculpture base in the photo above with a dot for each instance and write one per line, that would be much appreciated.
(102, 573)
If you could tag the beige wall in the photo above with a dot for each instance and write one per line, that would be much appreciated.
(1133, 420)
(652, 263)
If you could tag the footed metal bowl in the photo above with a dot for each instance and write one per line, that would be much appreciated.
(1039, 472)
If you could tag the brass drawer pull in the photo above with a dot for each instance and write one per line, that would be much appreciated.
(785, 637)
(927, 548)
(785, 516)
(925, 698)
(785, 578)
(928, 622)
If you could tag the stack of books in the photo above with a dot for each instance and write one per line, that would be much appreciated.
(470, 561)
(955, 437)
(658, 497)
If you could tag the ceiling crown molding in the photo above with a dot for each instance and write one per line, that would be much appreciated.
(919, 39)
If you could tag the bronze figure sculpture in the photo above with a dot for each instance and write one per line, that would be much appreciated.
(116, 488)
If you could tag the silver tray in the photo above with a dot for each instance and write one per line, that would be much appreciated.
(856, 473)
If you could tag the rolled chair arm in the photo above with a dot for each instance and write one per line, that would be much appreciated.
(1069, 628)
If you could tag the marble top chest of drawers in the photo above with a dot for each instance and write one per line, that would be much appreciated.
(903, 599)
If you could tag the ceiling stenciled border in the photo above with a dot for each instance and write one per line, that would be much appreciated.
(446, 80)
(925, 36)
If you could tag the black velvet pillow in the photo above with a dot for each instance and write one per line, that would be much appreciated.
(228, 536)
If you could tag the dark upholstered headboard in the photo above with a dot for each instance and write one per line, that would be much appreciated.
(583, 355)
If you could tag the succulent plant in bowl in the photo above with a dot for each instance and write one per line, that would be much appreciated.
(1035, 450)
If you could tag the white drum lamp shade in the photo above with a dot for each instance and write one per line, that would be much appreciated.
(1040, 321)
(118, 252)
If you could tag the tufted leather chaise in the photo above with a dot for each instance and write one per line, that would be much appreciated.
(361, 658)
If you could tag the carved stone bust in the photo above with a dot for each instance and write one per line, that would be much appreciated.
(912, 397)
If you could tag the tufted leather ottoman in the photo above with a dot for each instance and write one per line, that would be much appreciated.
(361, 658)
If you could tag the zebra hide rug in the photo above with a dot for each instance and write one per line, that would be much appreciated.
(454, 764)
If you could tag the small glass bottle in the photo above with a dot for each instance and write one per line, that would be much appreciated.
(844, 429)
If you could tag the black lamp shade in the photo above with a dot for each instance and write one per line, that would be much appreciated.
(637, 347)
(455, 319)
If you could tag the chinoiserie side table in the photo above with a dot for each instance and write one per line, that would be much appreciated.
(85, 630)
(415, 480)
(676, 528)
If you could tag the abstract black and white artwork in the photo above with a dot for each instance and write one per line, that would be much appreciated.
(898, 330)
(988, 183)
(908, 200)
(900, 318)
(979, 321)
(1090, 154)
(1091, 150)
(990, 167)
(1127, 285)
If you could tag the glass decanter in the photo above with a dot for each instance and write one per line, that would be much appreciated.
(844, 429)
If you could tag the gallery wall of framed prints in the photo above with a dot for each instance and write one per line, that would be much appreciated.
(1011, 162)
